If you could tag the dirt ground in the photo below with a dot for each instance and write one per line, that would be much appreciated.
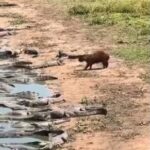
(120, 88)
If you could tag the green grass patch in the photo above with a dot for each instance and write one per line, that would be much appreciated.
(10, 15)
(126, 13)
(123, 22)
(79, 10)
(134, 54)
(129, 18)
(18, 20)
(140, 7)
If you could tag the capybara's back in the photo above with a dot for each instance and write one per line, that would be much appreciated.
(96, 57)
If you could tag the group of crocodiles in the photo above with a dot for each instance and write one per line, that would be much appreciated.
(32, 115)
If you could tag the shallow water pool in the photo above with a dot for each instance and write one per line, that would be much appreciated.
(20, 140)
(42, 90)
(4, 110)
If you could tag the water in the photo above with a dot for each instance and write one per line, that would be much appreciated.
(42, 90)
(20, 140)
(2, 148)
(5, 126)
(4, 110)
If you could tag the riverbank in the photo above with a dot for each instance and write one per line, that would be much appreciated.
(120, 88)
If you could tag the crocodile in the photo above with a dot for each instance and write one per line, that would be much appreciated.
(45, 77)
(30, 51)
(26, 95)
(22, 64)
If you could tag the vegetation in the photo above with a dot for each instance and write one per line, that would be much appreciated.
(90, 124)
(134, 54)
(127, 22)
(18, 20)
(131, 19)
(10, 15)
(123, 12)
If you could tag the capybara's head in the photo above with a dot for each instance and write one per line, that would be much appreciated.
(8, 53)
(81, 58)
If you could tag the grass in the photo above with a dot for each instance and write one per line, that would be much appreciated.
(18, 20)
(90, 124)
(132, 13)
(91, 101)
(140, 55)
(123, 22)
(10, 15)
(131, 19)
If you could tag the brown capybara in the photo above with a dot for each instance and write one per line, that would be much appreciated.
(96, 57)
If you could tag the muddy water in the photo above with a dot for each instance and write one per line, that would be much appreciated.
(41, 90)
(20, 140)
(7, 125)
(2, 148)
(4, 111)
